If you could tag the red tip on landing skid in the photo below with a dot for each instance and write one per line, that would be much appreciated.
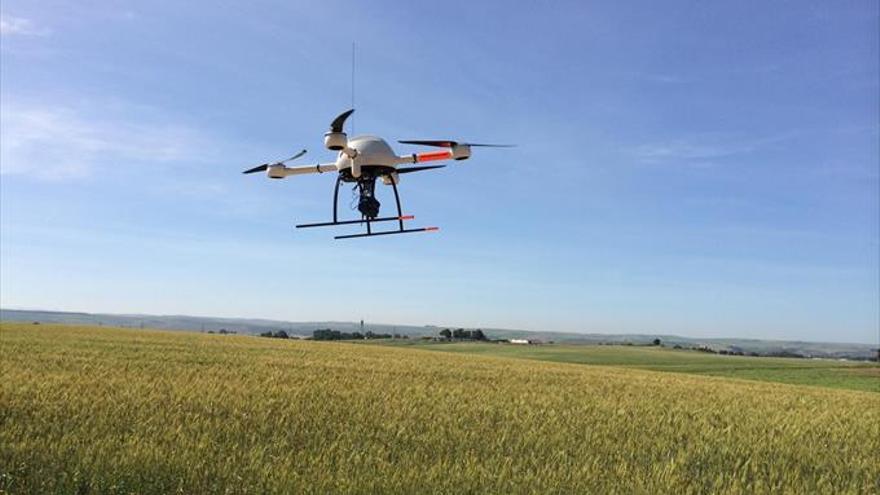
(369, 222)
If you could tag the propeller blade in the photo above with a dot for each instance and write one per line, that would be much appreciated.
(339, 122)
(428, 142)
(450, 144)
(263, 167)
(406, 170)
(258, 168)
(294, 157)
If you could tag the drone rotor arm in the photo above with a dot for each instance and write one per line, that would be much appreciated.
(431, 156)
(318, 168)
(279, 171)
(456, 150)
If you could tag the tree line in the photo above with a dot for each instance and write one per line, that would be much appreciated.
(328, 334)
(462, 334)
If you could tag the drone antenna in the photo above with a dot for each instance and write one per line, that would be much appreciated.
(352, 86)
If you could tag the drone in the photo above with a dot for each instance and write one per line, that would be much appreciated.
(362, 160)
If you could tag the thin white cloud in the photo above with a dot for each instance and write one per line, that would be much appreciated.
(57, 142)
(684, 149)
(704, 148)
(19, 26)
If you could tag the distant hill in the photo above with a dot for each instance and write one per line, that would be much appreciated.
(305, 328)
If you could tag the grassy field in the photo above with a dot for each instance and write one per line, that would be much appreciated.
(89, 410)
(821, 372)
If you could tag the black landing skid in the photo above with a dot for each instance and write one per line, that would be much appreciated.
(368, 206)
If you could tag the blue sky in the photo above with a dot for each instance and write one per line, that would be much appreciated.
(702, 169)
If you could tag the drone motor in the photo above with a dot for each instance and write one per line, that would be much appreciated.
(335, 141)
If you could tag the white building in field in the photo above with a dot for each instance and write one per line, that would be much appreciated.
(523, 341)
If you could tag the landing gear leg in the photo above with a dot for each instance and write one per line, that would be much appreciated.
(336, 197)
(397, 200)
(368, 206)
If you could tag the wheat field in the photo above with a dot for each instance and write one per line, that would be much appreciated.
(97, 410)
(852, 375)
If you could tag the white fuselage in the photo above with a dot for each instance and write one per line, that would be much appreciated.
(368, 151)
(371, 153)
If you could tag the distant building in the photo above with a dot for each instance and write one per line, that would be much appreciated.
(524, 341)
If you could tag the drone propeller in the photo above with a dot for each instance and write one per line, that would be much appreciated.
(339, 122)
(406, 170)
(258, 168)
(450, 144)
(265, 166)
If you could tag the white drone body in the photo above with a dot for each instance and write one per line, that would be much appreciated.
(367, 152)
(363, 159)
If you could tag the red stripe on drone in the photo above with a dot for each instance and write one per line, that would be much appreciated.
(433, 155)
